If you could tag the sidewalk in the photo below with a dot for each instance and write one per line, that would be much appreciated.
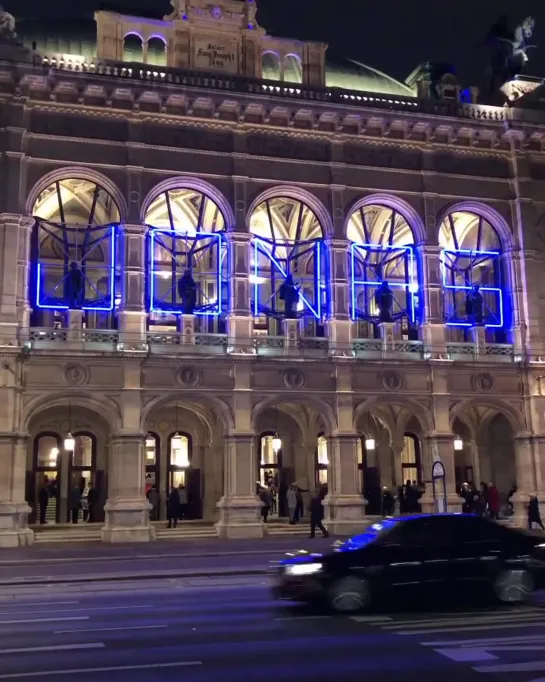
(101, 563)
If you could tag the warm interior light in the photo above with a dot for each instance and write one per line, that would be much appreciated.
(369, 444)
(69, 442)
(276, 443)
(458, 444)
(176, 442)
(180, 454)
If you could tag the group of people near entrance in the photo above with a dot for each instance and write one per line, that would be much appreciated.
(81, 498)
(295, 503)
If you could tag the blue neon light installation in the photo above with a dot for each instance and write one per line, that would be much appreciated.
(370, 266)
(461, 270)
(94, 249)
(274, 260)
(171, 253)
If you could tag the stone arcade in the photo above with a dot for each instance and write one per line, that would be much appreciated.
(200, 144)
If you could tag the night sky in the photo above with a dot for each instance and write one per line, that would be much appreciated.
(391, 35)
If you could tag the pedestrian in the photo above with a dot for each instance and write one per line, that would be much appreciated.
(317, 514)
(388, 502)
(43, 500)
(74, 503)
(153, 499)
(265, 497)
(493, 500)
(292, 503)
(533, 513)
(173, 507)
(299, 507)
(184, 501)
(92, 500)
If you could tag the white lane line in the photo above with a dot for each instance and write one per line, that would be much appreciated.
(534, 666)
(305, 618)
(526, 639)
(53, 647)
(81, 671)
(132, 627)
(40, 603)
(371, 619)
(467, 655)
(91, 608)
(439, 622)
(465, 628)
(43, 620)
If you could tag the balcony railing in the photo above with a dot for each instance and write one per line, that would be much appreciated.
(208, 343)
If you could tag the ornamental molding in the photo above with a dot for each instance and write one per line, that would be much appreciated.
(75, 375)
(483, 382)
(189, 377)
(293, 378)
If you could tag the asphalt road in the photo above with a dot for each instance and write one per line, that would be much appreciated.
(231, 630)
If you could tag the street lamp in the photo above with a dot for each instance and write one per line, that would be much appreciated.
(276, 443)
(458, 444)
(369, 444)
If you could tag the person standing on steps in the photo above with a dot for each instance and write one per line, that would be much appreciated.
(173, 507)
(43, 500)
(317, 514)
(533, 513)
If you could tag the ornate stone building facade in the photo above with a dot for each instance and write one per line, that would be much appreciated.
(200, 144)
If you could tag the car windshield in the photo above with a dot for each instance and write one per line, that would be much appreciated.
(373, 533)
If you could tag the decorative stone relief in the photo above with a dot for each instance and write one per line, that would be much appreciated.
(293, 378)
(483, 383)
(188, 376)
(76, 375)
(392, 381)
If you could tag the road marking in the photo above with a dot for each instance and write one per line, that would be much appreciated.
(40, 603)
(51, 673)
(305, 618)
(439, 622)
(43, 620)
(481, 642)
(59, 647)
(503, 626)
(534, 666)
(371, 619)
(467, 655)
(91, 608)
(132, 627)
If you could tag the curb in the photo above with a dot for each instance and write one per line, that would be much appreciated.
(173, 575)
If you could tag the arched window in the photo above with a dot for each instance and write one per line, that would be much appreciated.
(471, 272)
(179, 459)
(75, 249)
(186, 238)
(133, 48)
(270, 459)
(156, 52)
(293, 72)
(288, 250)
(410, 459)
(270, 66)
(322, 460)
(45, 480)
(152, 461)
(383, 264)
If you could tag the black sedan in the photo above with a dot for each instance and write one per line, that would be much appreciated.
(444, 551)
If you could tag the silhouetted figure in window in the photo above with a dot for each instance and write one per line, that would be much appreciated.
(474, 306)
(75, 286)
(384, 298)
(187, 290)
(289, 293)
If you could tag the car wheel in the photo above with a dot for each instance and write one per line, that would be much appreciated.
(514, 586)
(349, 595)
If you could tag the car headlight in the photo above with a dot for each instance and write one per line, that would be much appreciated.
(303, 569)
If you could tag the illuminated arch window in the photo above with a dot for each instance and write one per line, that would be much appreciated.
(186, 234)
(179, 459)
(270, 460)
(322, 460)
(270, 66)
(471, 260)
(287, 241)
(382, 250)
(156, 52)
(293, 72)
(76, 252)
(411, 469)
(133, 48)
(152, 448)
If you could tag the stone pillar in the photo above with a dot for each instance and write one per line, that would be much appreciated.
(75, 326)
(344, 502)
(339, 324)
(187, 329)
(127, 509)
(14, 511)
(526, 477)
(478, 335)
(239, 507)
(441, 448)
(431, 302)
(291, 336)
(133, 316)
(387, 334)
(240, 322)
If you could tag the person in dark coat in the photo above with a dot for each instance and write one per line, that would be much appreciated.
(173, 507)
(43, 500)
(74, 503)
(92, 502)
(388, 502)
(533, 513)
(317, 514)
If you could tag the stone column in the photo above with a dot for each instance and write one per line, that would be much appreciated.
(478, 335)
(75, 326)
(387, 334)
(431, 302)
(240, 322)
(186, 326)
(14, 511)
(441, 448)
(239, 507)
(339, 324)
(291, 336)
(127, 509)
(526, 477)
(133, 316)
(344, 502)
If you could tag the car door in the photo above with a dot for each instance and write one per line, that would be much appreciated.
(418, 553)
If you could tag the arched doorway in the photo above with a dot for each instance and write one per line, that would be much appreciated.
(75, 256)
(186, 240)
(182, 475)
(383, 259)
(288, 267)
(133, 48)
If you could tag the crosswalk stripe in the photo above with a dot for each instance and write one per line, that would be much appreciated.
(458, 621)
(526, 639)
(465, 628)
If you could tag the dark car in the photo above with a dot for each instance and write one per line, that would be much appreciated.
(445, 551)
